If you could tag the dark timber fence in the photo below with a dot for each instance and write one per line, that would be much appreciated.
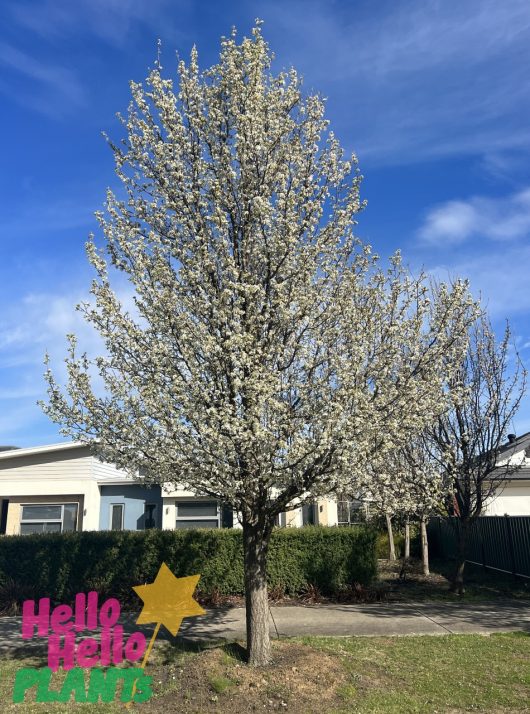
(497, 542)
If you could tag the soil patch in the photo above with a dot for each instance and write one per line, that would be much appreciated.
(301, 680)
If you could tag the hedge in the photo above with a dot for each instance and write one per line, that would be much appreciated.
(60, 565)
(382, 547)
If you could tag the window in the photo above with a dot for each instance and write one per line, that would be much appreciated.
(116, 516)
(197, 514)
(48, 518)
(350, 512)
(149, 515)
(3, 518)
(227, 517)
(309, 514)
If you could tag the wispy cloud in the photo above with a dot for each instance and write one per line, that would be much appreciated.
(417, 79)
(16, 423)
(27, 328)
(497, 219)
(506, 166)
(39, 322)
(500, 277)
(407, 81)
(33, 216)
(110, 20)
(36, 324)
(16, 393)
(53, 89)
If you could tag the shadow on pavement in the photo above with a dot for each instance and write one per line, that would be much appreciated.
(196, 633)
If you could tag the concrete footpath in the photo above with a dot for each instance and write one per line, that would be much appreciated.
(368, 619)
(383, 619)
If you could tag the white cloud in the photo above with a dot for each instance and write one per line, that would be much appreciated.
(18, 392)
(40, 323)
(16, 421)
(406, 81)
(452, 222)
(499, 276)
(32, 215)
(505, 166)
(496, 219)
(30, 327)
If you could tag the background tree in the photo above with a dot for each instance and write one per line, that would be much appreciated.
(485, 393)
(404, 485)
(424, 490)
(266, 347)
(379, 487)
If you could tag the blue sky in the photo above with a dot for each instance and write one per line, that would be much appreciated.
(433, 97)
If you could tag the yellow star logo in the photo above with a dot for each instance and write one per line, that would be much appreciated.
(168, 600)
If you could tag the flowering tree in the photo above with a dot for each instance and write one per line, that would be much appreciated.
(380, 490)
(404, 483)
(266, 347)
(424, 488)
(467, 441)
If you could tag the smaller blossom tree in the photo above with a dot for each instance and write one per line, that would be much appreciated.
(485, 393)
(424, 488)
(405, 484)
(380, 487)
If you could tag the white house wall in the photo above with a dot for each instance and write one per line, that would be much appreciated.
(103, 471)
(327, 512)
(47, 478)
(63, 464)
(514, 500)
(63, 472)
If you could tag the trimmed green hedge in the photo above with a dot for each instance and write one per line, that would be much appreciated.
(60, 565)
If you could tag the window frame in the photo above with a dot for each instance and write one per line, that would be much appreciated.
(349, 501)
(153, 511)
(183, 519)
(23, 521)
(111, 509)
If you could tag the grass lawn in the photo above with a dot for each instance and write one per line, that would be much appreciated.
(428, 674)
(453, 673)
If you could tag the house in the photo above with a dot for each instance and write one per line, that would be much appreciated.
(513, 498)
(65, 487)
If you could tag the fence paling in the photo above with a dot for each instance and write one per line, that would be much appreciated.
(497, 542)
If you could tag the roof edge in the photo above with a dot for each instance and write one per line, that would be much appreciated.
(515, 443)
(47, 448)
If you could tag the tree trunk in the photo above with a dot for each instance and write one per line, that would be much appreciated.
(424, 546)
(457, 585)
(391, 547)
(407, 539)
(255, 545)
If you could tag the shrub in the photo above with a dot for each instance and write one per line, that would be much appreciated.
(382, 545)
(399, 543)
(60, 565)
